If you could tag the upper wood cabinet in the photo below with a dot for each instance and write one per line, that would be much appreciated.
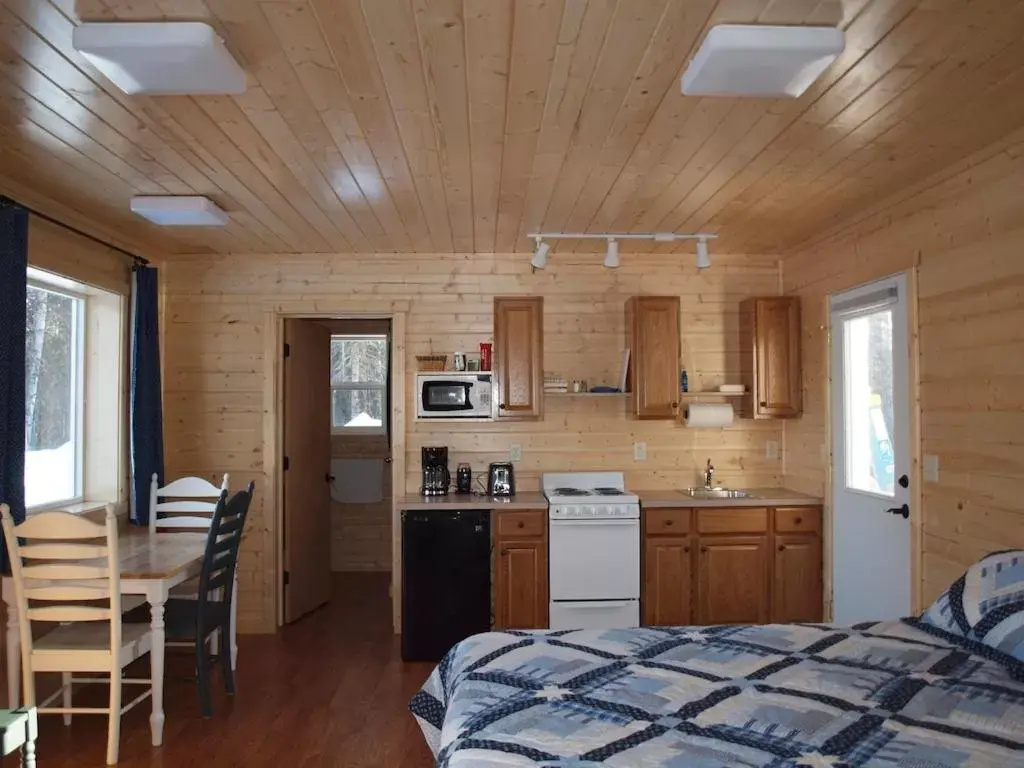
(652, 325)
(519, 356)
(770, 357)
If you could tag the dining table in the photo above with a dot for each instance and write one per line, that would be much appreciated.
(151, 564)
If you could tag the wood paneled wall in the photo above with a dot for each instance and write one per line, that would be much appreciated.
(962, 231)
(214, 377)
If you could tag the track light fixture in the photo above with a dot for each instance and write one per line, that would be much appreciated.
(703, 257)
(611, 257)
(540, 256)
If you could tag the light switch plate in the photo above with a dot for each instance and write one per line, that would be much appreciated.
(771, 450)
(639, 451)
(931, 469)
(515, 453)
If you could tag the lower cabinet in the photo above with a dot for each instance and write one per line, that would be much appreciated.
(732, 580)
(521, 569)
(796, 585)
(731, 566)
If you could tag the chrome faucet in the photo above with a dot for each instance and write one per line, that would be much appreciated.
(709, 476)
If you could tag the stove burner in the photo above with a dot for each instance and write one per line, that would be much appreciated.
(571, 492)
(609, 492)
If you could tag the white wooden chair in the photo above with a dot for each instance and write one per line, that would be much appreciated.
(189, 506)
(63, 573)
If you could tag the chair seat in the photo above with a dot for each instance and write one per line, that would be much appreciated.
(85, 646)
(187, 589)
(181, 617)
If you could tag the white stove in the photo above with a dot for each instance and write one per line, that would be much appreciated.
(594, 552)
(597, 495)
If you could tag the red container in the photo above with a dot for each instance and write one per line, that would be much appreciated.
(485, 356)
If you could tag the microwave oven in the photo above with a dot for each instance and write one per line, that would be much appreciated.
(453, 396)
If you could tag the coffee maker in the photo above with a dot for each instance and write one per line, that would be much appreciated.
(436, 477)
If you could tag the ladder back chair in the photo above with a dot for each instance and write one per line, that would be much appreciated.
(189, 504)
(66, 576)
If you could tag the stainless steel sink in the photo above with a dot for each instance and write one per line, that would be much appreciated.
(715, 493)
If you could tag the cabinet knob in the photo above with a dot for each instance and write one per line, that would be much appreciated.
(798, 520)
(703, 549)
(520, 524)
(686, 549)
(675, 405)
(501, 406)
(782, 547)
(669, 523)
(764, 404)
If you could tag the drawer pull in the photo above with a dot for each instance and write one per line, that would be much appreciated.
(686, 549)
(797, 520)
(669, 523)
(520, 524)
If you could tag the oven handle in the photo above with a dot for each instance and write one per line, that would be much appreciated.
(621, 521)
(581, 604)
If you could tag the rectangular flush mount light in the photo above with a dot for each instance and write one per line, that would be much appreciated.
(168, 58)
(181, 211)
(761, 61)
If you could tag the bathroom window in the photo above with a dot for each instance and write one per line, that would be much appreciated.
(359, 384)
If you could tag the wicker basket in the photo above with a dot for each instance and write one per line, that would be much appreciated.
(431, 362)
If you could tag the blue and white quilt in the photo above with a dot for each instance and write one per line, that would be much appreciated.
(884, 695)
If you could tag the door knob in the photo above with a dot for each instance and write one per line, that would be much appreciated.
(903, 510)
(387, 460)
(904, 481)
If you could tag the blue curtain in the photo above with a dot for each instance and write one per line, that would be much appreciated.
(147, 432)
(13, 263)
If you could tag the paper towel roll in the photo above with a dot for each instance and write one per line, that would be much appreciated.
(709, 415)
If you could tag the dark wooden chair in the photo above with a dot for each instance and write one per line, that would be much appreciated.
(201, 619)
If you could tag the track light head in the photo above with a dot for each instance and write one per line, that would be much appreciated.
(611, 257)
(703, 257)
(540, 256)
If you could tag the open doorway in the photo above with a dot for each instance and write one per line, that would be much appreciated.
(336, 479)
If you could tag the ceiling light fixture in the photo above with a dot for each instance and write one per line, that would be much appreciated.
(540, 256)
(611, 257)
(179, 211)
(703, 257)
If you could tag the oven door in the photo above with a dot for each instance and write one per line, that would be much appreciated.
(595, 559)
(594, 614)
(446, 397)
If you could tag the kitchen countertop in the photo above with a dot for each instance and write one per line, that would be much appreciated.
(522, 500)
(759, 497)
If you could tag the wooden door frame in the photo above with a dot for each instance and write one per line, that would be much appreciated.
(341, 308)
(916, 447)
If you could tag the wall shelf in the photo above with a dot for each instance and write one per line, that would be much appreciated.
(711, 393)
(585, 394)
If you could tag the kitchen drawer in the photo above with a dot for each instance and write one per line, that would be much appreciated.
(736, 520)
(660, 522)
(798, 519)
(529, 523)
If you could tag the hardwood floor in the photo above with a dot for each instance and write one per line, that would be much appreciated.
(330, 690)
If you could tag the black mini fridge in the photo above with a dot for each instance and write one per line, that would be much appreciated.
(446, 580)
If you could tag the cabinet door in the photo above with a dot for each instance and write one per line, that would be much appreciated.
(778, 386)
(667, 594)
(796, 578)
(522, 585)
(519, 356)
(732, 580)
(654, 356)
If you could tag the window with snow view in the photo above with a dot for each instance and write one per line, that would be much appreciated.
(359, 384)
(53, 396)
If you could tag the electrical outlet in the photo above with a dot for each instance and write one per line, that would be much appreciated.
(931, 469)
(639, 451)
(515, 453)
(771, 450)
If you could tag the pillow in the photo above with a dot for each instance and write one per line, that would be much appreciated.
(986, 604)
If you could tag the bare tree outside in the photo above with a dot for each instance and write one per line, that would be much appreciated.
(359, 375)
(50, 394)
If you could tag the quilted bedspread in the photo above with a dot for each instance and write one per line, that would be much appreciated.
(893, 694)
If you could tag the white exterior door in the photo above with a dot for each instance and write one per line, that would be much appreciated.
(871, 456)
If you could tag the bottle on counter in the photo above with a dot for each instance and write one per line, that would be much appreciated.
(684, 382)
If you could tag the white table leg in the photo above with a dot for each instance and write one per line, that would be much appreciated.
(156, 720)
(13, 656)
(28, 754)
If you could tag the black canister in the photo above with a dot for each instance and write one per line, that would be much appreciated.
(464, 478)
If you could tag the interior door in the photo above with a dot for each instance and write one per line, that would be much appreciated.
(307, 451)
(871, 456)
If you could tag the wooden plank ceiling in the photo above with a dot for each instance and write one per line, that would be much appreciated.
(462, 125)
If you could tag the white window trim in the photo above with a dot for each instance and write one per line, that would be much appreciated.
(351, 385)
(37, 279)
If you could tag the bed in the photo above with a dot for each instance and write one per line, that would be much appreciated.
(900, 694)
